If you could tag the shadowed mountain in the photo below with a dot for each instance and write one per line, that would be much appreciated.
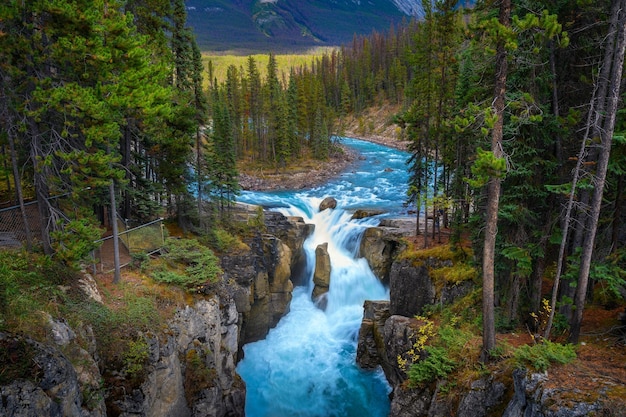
(291, 25)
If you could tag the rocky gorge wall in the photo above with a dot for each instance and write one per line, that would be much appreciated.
(191, 365)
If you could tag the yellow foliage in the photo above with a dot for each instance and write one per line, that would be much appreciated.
(424, 334)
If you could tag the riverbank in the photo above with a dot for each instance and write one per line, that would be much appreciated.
(311, 173)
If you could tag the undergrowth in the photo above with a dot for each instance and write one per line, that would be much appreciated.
(186, 263)
(28, 284)
(34, 287)
(439, 349)
(542, 355)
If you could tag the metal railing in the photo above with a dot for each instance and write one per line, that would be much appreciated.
(145, 239)
(12, 227)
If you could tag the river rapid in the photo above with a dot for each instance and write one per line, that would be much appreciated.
(306, 365)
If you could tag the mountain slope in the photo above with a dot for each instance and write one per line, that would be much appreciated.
(290, 25)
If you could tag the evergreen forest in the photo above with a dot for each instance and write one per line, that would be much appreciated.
(513, 110)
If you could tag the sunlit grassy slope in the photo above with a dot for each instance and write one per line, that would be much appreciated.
(221, 62)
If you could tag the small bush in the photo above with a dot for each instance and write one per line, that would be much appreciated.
(174, 278)
(258, 221)
(542, 355)
(223, 241)
(135, 357)
(198, 375)
(29, 283)
(191, 264)
(436, 353)
(436, 364)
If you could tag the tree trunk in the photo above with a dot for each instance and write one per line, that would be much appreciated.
(493, 192)
(116, 243)
(604, 127)
(567, 219)
(199, 168)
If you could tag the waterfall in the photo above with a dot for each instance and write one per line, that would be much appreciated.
(306, 366)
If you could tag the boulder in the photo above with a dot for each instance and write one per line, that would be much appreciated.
(328, 203)
(321, 275)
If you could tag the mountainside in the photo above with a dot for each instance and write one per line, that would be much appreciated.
(291, 25)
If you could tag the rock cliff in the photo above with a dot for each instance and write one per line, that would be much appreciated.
(190, 365)
(390, 329)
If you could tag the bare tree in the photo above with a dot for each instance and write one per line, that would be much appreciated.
(602, 126)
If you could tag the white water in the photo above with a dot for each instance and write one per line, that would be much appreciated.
(306, 365)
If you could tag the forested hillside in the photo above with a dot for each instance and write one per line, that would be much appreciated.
(513, 111)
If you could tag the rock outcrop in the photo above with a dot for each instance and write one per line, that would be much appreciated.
(532, 398)
(381, 245)
(387, 336)
(371, 339)
(365, 213)
(49, 384)
(292, 231)
(202, 338)
(321, 274)
(410, 289)
(66, 381)
(263, 290)
(191, 365)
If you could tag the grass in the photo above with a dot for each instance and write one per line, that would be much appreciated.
(284, 63)
(29, 284)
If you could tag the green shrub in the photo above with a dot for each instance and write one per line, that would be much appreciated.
(135, 357)
(174, 278)
(74, 242)
(258, 221)
(436, 364)
(198, 376)
(223, 241)
(542, 355)
(29, 283)
(198, 263)
(135, 314)
(436, 355)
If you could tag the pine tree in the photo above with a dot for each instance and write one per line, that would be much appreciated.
(222, 172)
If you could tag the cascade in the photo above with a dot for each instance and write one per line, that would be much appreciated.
(306, 365)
